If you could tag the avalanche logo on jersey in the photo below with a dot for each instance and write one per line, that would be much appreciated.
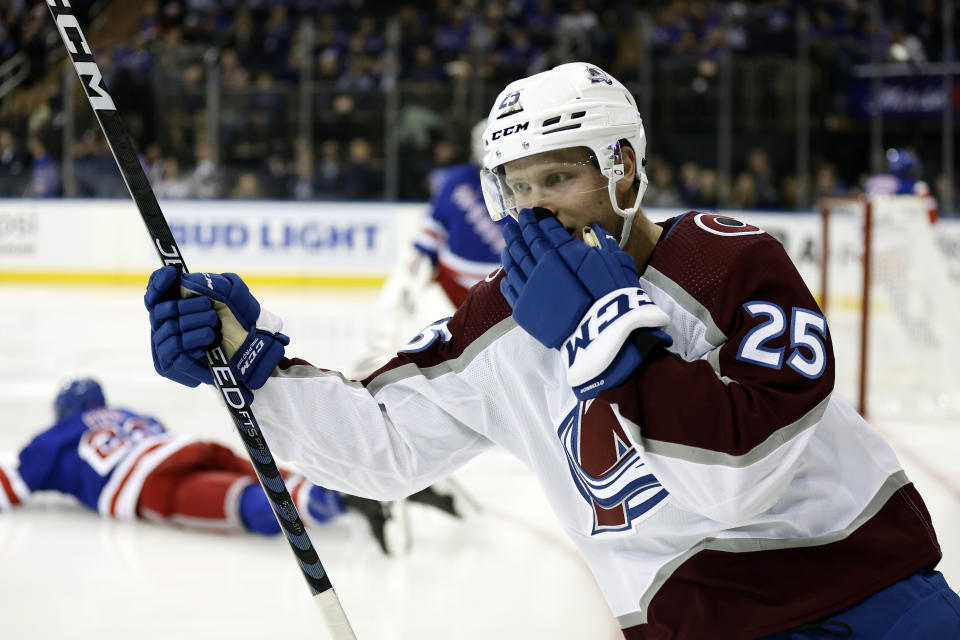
(111, 435)
(607, 469)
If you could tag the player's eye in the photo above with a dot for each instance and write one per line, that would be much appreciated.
(520, 187)
(556, 179)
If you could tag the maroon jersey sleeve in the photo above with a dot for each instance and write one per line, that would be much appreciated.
(775, 365)
(723, 416)
(447, 339)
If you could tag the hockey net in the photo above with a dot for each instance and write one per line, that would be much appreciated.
(892, 306)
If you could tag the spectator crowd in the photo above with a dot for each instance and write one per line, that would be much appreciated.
(432, 55)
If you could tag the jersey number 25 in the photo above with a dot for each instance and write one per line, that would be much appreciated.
(807, 329)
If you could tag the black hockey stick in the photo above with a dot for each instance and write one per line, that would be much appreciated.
(169, 253)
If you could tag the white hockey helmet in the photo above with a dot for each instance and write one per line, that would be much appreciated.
(572, 105)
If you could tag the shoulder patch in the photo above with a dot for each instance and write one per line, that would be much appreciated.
(723, 225)
(497, 273)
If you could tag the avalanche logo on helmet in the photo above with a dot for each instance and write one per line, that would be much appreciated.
(596, 75)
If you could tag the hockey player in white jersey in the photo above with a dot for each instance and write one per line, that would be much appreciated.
(670, 384)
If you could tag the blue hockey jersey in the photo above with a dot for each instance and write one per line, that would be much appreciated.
(125, 465)
(101, 457)
(458, 234)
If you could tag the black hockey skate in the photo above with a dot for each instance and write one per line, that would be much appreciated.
(387, 520)
(447, 496)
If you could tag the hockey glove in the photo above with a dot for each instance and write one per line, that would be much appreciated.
(585, 301)
(214, 308)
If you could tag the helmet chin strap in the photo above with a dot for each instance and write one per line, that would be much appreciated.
(627, 214)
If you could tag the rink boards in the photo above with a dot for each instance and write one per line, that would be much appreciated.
(326, 243)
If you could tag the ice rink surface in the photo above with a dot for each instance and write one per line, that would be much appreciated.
(505, 572)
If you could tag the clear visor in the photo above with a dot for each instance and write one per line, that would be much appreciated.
(542, 179)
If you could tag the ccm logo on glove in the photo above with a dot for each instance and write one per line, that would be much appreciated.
(604, 313)
(249, 356)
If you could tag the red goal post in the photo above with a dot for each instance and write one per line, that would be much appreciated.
(886, 291)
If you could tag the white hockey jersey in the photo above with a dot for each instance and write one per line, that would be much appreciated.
(722, 492)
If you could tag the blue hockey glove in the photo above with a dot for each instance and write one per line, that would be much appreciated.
(214, 307)
(179, 349)
(585, 301)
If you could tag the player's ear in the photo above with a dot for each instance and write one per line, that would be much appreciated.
(625, 184)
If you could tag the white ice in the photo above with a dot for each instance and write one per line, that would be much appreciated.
(506, 572)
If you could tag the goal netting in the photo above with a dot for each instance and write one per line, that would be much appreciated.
(893, 307)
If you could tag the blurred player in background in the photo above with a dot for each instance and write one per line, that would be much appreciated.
(456, 246)
(459, 238)
(127, 465)
(670, 384)
(902, 179)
